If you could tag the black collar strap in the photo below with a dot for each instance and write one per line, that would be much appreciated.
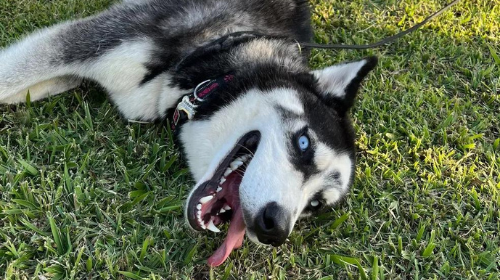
(186, 108)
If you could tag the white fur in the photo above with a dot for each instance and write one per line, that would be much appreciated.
(121, 72)
(270, 176)
(328, 161)
(25, 66)
(335, 79)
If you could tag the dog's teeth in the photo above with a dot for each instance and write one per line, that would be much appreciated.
(200, 220)
(222, 180)
(227, 207)
(206, 199)
(235, 164)
(243, 158)
(228, 171)
(198, 206)
(222, 211)
(212, 227)
(219, 189)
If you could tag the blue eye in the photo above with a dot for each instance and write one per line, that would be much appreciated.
(303, 142)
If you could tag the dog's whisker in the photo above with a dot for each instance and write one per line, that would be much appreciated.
(246, 148)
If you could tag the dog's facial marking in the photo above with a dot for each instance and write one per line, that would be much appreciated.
(302, 156)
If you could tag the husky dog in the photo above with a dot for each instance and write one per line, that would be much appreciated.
(267, 139)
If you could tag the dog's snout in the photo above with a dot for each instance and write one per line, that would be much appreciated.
(272, 225)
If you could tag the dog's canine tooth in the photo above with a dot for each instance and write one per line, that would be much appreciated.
(219, 189)
(212, 227)
(228, 171)
(206, 199)
(226, 207)
(236, 164)
(198, 206)
(222, 211)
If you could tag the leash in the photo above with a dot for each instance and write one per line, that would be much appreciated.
(381, 42)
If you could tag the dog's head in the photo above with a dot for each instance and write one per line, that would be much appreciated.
(282, 149)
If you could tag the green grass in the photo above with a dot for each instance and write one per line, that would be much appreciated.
(84, 194)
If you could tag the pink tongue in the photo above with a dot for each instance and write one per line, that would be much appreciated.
(234, 239)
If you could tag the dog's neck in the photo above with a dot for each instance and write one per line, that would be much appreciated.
(240, 54)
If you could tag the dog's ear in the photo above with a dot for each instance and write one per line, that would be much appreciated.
(339, 84)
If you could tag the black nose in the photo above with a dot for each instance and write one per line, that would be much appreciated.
(272, 225)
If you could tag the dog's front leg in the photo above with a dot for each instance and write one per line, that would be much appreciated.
(35, 65)
(107, 48)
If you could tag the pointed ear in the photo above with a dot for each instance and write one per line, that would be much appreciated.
(339, 84)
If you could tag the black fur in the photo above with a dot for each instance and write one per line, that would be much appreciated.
(167, 23)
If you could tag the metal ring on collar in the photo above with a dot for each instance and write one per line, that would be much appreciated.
(195, 92)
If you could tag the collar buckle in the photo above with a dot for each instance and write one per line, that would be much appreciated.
(187, 106)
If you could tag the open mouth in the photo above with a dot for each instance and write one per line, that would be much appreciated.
(217, 200)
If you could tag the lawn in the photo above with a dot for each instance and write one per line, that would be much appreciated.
(84, 194)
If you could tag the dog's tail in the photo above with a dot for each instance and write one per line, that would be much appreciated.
(35, 65)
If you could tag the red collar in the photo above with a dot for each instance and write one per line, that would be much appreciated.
(186, 108)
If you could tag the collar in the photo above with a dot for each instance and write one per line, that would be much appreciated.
(186, 108)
